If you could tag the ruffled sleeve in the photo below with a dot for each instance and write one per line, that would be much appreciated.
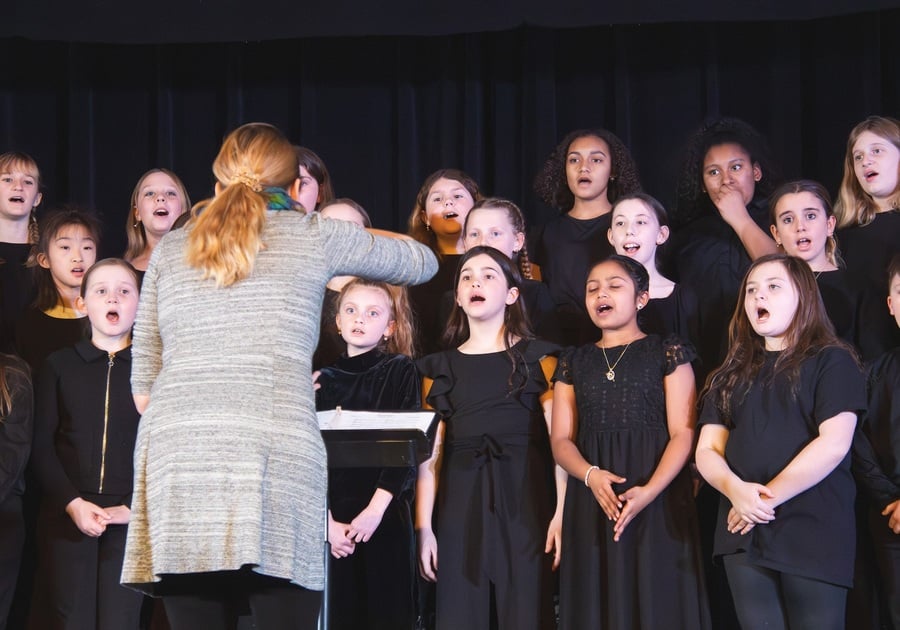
(678, 352)
(532, 352)
(437, 367)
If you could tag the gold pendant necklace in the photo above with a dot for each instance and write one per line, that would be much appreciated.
(611, 373)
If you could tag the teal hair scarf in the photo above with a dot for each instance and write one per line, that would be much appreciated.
(279, 199)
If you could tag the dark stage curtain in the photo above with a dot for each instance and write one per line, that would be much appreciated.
(386, 111)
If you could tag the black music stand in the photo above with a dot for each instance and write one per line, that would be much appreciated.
(373, 439)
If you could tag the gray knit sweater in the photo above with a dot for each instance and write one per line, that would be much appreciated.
(230, 468)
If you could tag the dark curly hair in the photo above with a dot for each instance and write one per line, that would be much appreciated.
(692, 202)
(551, 185)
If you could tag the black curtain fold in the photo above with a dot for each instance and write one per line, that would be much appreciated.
(384, 112)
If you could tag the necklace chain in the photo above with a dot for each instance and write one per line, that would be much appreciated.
(611, 373)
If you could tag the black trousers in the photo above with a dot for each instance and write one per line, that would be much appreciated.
(216, 600)
(765, 598)
(12, 539)
(77, 584)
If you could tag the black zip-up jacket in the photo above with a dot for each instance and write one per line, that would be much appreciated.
(85, 425)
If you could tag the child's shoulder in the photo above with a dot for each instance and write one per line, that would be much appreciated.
(886, 367)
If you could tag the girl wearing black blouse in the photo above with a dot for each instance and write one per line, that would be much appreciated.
(777, 423)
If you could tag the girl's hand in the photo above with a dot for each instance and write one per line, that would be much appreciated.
(119, 515)
(737, 525)
(729, 201)
(600, 482)
(315, 379)
(554, 538)
(893, 511)
(341, 544)
(91, 519)
(365, 523)
(635, 499)
(428, 554)
(748, 501)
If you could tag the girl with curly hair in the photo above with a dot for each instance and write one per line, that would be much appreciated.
(582, 178)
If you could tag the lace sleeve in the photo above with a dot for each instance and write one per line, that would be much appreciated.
(678, 352)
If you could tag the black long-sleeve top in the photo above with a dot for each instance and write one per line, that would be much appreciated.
(876, 445)
(81, 445)
(16, 428)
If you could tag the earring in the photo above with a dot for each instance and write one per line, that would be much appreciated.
(640, 306)
(427, 227)
(137, 223)
(386, 337)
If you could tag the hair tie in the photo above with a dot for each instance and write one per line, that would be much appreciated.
(248, 179)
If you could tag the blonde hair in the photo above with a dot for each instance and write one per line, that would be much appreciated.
(226, 232)
(137, 237)
(12, 160)
(404, 337)
(854, 206)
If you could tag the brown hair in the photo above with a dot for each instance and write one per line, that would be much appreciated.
(13, 366)
(551, 184)
(809, 332)
(818, 190)
(308, 159)
(416, 225)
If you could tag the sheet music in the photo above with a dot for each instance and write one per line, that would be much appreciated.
(344, 419)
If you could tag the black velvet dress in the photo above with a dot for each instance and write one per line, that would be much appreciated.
(16, 290)
(496, 489)
(373, 587)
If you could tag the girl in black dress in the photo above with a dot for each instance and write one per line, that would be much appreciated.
(85, 428)
(437, 219)
(623, 427)
(16, 417)
(868, 209)
(370, 522)
(582, 178)
(485, 499)
(777, 422)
